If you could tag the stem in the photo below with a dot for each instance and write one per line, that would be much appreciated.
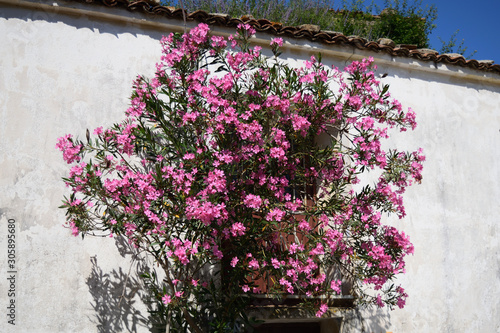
(126, 280)
(190, 321)
(183, 15)
(167, 328)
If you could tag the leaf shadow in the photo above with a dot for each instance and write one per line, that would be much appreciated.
(120, 297)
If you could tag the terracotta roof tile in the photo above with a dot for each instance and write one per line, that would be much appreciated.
(309, 32)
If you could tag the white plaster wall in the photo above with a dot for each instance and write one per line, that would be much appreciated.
(453, 216)
(62, 74)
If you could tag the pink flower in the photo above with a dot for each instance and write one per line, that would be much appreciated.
(322, 310)
(216, 181)
(307, 78)
(206, 212)
(275, 215)
(218, 42)
(277, 152)
(379, 301)
(253, 264)
(402, 297)
(74, 229)
(77, 169)
(335, 286)
(318, 250)
(401, 302)
(366, 123)
(238, 229)
(76, 202)
(246, 28)
(188, 156)
(166, 299)
(245, 288)
(70, 151)
(199, 33)
(217, 253)
(304, 225)
(252, 201)
(98, 130)
(300, 124)
(234, 261)
(277, 42)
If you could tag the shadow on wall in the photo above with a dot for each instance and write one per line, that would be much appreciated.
(116, 294)
(363, 320)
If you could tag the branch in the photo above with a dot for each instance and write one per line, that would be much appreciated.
(190, 321)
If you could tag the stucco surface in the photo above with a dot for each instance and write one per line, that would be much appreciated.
(453, 278)
(63, 74)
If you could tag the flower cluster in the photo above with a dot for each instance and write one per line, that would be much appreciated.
(231, 161)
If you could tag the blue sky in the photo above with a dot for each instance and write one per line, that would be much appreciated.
(478, 21)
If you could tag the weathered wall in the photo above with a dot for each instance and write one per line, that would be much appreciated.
(61, 74)
(453, 216)
(66, 70)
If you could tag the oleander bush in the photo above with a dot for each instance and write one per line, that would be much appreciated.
(241, 176)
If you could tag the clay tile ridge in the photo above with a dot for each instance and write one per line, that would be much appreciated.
(310, 32)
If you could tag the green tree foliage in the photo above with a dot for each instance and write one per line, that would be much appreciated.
(403, 21)
(453, 46)
(407, 23)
